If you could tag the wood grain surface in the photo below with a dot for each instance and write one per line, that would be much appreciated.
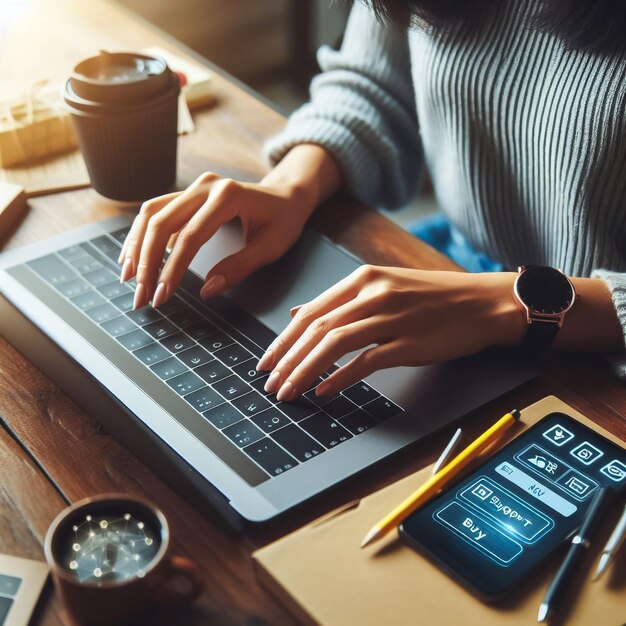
(53, 453)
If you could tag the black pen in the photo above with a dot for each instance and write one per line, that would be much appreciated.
(578, 548)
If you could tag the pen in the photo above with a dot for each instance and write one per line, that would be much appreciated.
(440, 479)
(577, 550)
(612, 546)
(449, 450)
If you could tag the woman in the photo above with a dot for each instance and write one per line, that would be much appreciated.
(519, 110)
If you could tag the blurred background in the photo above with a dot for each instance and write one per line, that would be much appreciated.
(267, 44)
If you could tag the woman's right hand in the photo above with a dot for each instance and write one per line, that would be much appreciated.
(272, 214)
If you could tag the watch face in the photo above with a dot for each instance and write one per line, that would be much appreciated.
(545, 290)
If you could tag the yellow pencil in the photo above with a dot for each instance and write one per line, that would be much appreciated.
(440, 479)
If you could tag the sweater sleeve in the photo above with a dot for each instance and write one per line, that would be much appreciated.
(617, 286)
(362, 110)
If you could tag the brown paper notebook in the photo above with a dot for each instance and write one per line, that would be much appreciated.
(321, 573)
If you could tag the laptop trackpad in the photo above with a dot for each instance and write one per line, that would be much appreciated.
(309, 268)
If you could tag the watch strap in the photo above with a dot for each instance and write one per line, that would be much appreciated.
(539, 336)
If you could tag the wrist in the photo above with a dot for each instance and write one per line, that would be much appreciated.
(505, 322)
(307, 174)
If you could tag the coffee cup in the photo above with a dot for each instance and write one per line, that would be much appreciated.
(109, 560)
(124, 107)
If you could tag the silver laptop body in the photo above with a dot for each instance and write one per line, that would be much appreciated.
(45, 326)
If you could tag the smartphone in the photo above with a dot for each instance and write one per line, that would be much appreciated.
(495, 527)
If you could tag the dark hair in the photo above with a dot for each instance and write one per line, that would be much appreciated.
(587, 25)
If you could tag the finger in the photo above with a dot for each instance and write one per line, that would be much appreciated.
(259, 251)
(340, 293)
(348, 313)
(159, 229)
(337, 343)
(361, 366)
(219, 208)
(134, 239)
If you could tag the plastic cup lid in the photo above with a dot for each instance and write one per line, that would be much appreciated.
(115, 77)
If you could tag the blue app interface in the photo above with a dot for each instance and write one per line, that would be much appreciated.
(523, 502)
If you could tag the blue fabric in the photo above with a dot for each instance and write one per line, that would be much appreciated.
(436, 231)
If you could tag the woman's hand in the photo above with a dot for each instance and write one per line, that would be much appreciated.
(392, 317)
(272, 214)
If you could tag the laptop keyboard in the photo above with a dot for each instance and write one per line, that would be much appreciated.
(206, 353)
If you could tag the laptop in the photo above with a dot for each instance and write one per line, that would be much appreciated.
(178, 385)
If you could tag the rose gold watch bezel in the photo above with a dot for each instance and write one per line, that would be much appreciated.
(535, 316)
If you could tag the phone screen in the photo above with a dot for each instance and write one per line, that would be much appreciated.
(496, 525)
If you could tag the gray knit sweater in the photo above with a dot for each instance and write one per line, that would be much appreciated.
(525, 141)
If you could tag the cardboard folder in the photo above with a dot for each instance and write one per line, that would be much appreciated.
(323, 576)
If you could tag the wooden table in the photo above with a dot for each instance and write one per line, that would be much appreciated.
(52, 453)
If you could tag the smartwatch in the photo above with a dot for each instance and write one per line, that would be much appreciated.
(546, 295)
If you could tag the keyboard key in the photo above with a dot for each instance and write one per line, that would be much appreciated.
(259, 384)
(86, 264)
(52, 269)
(160, 329)
(152, 353)
(74, 287)
(231, 387)
(270, 420)
(185, 383)
(326, 430)
(296, 441)
(243, 321)
(298, 409)
(173, 305)
(88, 300)
(144, 315)
(107, 246)
(100, 277)
(118, 326)
(382, 409)
(320, 400)
(135, 340)
(243, 433)
(204, 399)
(193, 357)
(270, 456)
(223, 415)
(120, 235)
(102, 313)
(213, 371)
(232, 355)
(113, 289)
(248, 372)
(358, 422)
(361, 393)
(216, 340)
(168, 368)
(72, 253)
(178, 342)
(251, 403)
(200, 330)
(186, 317)
(124, 303)
(339, 407)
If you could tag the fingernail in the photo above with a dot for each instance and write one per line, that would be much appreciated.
(321, 389)
(286, 392)
(140, 294)
(212, 286)
(265, 361)
(122, 254)
(293, 310)
(273, 382)
(159, 295)
(127, 270)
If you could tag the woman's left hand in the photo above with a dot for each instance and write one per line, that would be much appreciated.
(393, 317)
